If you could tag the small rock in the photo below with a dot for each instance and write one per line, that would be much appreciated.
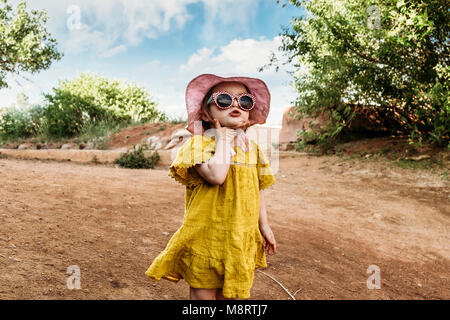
(42, 146)
(25, 146)
(165, 233)
(15, 259)
(66, 146)
(421, 157)
(12, 146)
(154, 141)
(165, 141)
(89, 146)
(54, 146)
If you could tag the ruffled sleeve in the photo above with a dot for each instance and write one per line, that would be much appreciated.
(265, 174)
(195, 150)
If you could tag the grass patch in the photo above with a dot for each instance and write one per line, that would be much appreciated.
(444, 175)
(98, 133)
(176, 120)
(7, 139)
(413, 164)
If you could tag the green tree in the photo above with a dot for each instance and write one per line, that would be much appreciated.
(25, 44)
(388, 55)
(93, 99)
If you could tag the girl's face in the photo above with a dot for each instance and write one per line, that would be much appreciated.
(225, 117)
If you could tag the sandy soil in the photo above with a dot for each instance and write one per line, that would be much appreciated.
(332, 220)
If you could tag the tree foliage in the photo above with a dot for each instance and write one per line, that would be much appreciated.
(389, 55)
(25, 44)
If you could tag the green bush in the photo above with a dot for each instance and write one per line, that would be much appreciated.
(17, 123)
(93, 99)
(136, 159)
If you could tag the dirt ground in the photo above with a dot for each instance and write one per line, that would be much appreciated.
(332, 220)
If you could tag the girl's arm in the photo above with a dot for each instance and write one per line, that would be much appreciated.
(215, 170)
(269, 244)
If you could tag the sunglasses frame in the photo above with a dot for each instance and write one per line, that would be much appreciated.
(237, 97)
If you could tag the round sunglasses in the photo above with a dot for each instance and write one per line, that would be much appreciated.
(224, 100)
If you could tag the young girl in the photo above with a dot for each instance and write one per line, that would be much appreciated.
(225, 229)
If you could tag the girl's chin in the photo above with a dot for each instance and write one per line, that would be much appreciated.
(234, 122)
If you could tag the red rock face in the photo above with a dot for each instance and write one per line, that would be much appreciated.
(290, 126)
(366, 120)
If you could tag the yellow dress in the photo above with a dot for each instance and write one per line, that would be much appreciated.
(219, 244)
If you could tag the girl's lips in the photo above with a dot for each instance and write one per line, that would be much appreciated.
(235, 113)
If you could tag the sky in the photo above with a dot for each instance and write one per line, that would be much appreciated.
(162, 45)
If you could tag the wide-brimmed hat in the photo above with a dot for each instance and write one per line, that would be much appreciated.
(199, 87)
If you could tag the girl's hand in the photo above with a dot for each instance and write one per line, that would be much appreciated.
(269, 239)
(224, 133)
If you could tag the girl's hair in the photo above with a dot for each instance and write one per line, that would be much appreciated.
(205, 107)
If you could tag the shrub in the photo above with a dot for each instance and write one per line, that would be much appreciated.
(17, 123)
(136, 159)
(92, 99)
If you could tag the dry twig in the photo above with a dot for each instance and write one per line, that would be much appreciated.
(281, 285)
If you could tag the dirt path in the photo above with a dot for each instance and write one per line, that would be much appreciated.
(331, 221)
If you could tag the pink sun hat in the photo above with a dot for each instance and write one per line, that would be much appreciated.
(199, 87)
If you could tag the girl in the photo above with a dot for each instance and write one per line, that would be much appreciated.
(225, 229)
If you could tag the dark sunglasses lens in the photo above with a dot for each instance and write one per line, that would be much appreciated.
(246, 102)
(224, 100)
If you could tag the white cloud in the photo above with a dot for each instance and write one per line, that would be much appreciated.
(238, 56)
(109, 23)
(84, 39)
(114, 51)
(237, 14)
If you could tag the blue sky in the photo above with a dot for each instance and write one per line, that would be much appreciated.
(162, 45)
